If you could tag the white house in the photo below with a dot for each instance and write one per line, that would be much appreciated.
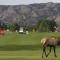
(21, 30)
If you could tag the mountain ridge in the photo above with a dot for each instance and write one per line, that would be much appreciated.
(29, 14)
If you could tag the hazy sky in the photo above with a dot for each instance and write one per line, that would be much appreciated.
(16, 2)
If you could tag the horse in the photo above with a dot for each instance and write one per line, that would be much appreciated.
(50, 42)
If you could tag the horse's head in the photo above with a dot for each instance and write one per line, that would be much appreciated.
(43, 40)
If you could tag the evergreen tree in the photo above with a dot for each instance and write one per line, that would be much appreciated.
(46, 25)
(43, 27)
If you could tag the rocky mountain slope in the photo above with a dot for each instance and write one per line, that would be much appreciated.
(29, 14)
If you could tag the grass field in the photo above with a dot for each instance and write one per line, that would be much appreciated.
(14, 46)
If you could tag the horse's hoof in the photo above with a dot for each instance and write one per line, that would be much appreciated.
(42, 56)
(55, 56)
(46, 55)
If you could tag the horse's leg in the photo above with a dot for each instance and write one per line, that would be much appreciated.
(44, 48)
(43, 52)
(49, 52)
(54, 47)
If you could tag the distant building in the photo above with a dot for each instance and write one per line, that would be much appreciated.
(21, 30)
(57, 29)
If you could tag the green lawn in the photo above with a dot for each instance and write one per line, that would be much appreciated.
(14, 46)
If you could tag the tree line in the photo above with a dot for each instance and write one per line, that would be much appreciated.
(41, 26)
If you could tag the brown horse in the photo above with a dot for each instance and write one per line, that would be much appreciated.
(50, 42)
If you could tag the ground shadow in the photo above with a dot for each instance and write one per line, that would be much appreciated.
(19, 47)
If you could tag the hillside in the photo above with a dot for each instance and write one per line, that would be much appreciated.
(29, 14)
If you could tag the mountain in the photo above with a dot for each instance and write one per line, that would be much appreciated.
(30, 14)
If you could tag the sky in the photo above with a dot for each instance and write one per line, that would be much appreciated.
(25, 2)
